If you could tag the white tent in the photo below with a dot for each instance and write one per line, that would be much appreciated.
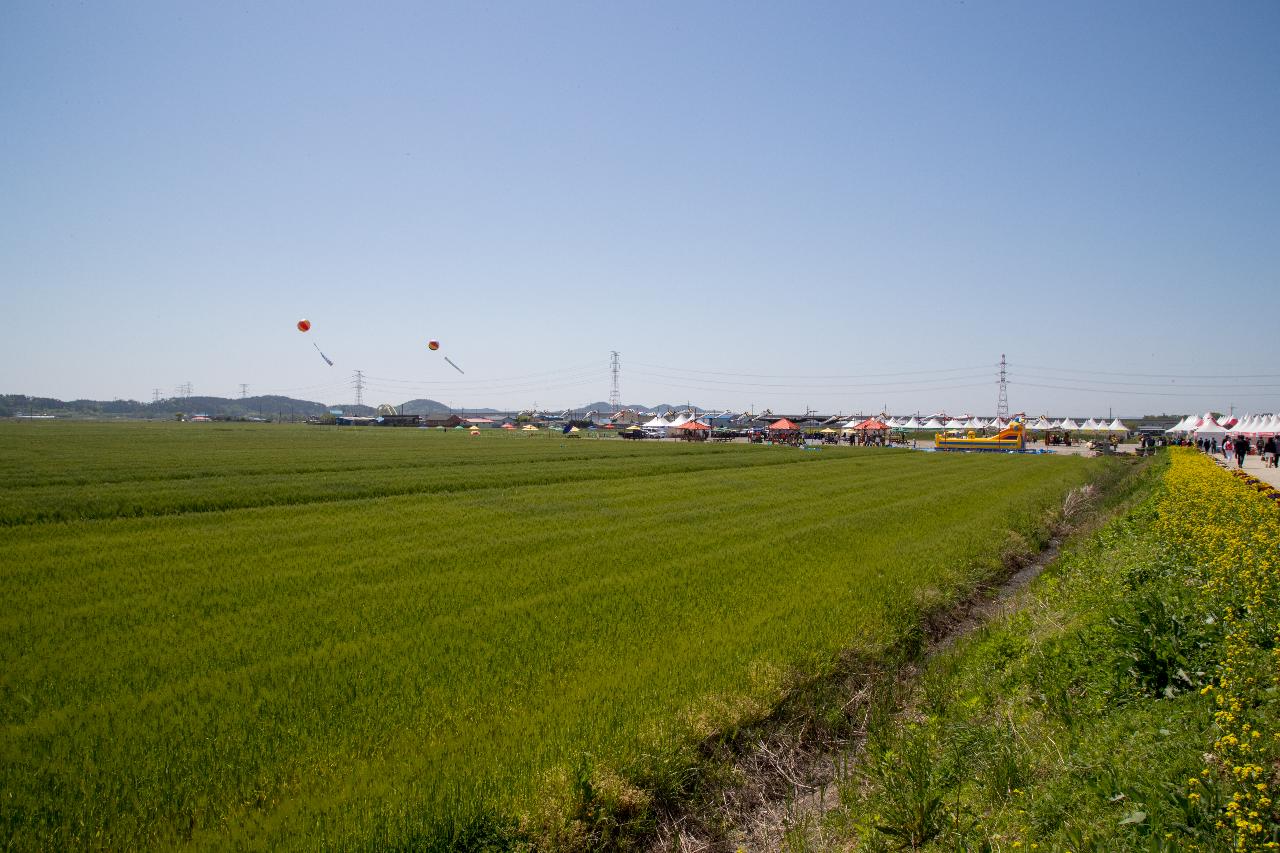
(975, 423)
(1091, 426)
(954, 424)
(933, 423)
(681, 419)
(1041, 425)
(1116, 426)
(1210, 428)
(1240, 425)
(911, 423)
(1270, 426)
(999, 423)
(1068, 425)
(658, 422)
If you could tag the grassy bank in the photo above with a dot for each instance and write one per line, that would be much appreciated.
(1131, 704)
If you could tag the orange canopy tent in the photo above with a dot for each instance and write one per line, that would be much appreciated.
(871, 424)
(693, 425)
(783, 425)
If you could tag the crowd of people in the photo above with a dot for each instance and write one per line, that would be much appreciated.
(1267, 448)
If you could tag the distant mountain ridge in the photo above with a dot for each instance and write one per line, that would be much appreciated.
(270, 407)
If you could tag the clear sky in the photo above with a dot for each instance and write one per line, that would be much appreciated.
(829, 205)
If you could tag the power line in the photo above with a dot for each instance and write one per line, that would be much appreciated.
(1125, 392)
(931, 372)
(1220, 386)
(1075, 370)
(811, 386)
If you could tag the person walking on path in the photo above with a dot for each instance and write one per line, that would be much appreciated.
(1241, 447)
(1269, 450)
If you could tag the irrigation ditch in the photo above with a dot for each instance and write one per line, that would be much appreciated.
(767, 787)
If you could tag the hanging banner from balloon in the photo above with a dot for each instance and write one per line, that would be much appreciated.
(304, 325)
(434, 346)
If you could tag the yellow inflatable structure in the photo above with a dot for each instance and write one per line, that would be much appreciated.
(1012, 437)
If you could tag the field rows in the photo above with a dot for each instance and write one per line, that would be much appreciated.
(381, 670)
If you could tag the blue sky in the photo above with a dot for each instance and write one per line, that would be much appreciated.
(838, 206)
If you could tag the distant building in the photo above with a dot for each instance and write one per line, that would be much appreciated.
(397, 421)
(440, 419)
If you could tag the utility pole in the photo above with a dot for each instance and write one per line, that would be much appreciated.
(1002, 405)
(615, 397)
(244, 390)
(358, 384)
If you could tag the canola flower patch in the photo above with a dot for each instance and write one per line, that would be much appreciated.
(412, 650)
(1233, 529)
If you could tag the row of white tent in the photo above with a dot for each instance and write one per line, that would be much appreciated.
(1207, 425)
(936, 423)
(1042, 425)
(659, 422)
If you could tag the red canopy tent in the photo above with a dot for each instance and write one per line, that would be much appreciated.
(870, 424)
(783, 425)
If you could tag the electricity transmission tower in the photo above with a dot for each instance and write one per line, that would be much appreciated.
(615, 397)
(155, 395)
(1002, 405)
(244, 390)
(358, 384)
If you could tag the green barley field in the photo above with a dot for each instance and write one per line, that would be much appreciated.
(262, 636)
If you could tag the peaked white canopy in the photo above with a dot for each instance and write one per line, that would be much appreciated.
(933, 423)
(1041, 425)
(1210, 427)
(1091, 424)
(1068, 425)
(911, 423)
(1116, 426)
(975, 423)
(658, 421)
(954, 424)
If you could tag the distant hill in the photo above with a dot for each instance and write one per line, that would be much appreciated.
(269, 407)
(422, 407)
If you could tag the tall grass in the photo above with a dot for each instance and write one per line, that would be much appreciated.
(399, 639)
